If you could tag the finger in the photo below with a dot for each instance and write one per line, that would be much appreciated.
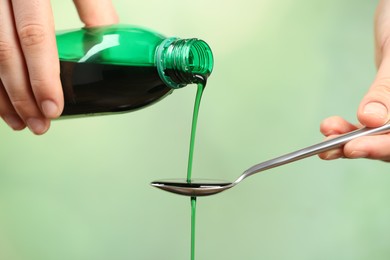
(331, 154)
(371, 147)
(332, 127)
(8, 113)
(35, 28)
(336, 125)
(382, 31)
(374, 109)
(14, 76)
(95, 13)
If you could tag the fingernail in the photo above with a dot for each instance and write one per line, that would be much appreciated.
(36, 125)
(358, 154)
(376, 109)
(50, 109)
(14, 122)
(333, 154)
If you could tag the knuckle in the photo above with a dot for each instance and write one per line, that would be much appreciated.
(38, 83)
(20, 103)
(382, 85)
(44, 85)
(32, 35)
(24, 107)
(5, 51)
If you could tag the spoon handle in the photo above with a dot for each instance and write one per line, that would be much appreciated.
(313, 150)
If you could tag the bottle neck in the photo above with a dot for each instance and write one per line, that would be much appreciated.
(183, 61)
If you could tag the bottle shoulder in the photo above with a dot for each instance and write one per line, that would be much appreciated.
(115, 44)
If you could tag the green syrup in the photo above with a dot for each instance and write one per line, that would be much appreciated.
(193, 129)
(199, 93)
(193, 214)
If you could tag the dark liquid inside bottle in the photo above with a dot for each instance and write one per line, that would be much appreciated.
(93, 88)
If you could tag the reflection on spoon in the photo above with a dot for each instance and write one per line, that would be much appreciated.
(195, 188)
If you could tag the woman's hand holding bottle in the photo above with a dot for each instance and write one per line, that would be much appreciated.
(30, 88)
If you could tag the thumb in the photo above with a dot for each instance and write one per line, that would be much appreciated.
(96, 12)
(374, 109)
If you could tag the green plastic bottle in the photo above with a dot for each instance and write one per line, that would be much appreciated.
(121, 68)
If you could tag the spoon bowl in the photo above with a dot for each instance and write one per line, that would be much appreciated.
(196, 188)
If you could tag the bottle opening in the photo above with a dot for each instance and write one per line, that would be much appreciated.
(200, 58)
(181, 62)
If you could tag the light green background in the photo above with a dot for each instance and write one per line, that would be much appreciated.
(81, 192)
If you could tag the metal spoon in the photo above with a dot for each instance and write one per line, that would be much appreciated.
(197, 188)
